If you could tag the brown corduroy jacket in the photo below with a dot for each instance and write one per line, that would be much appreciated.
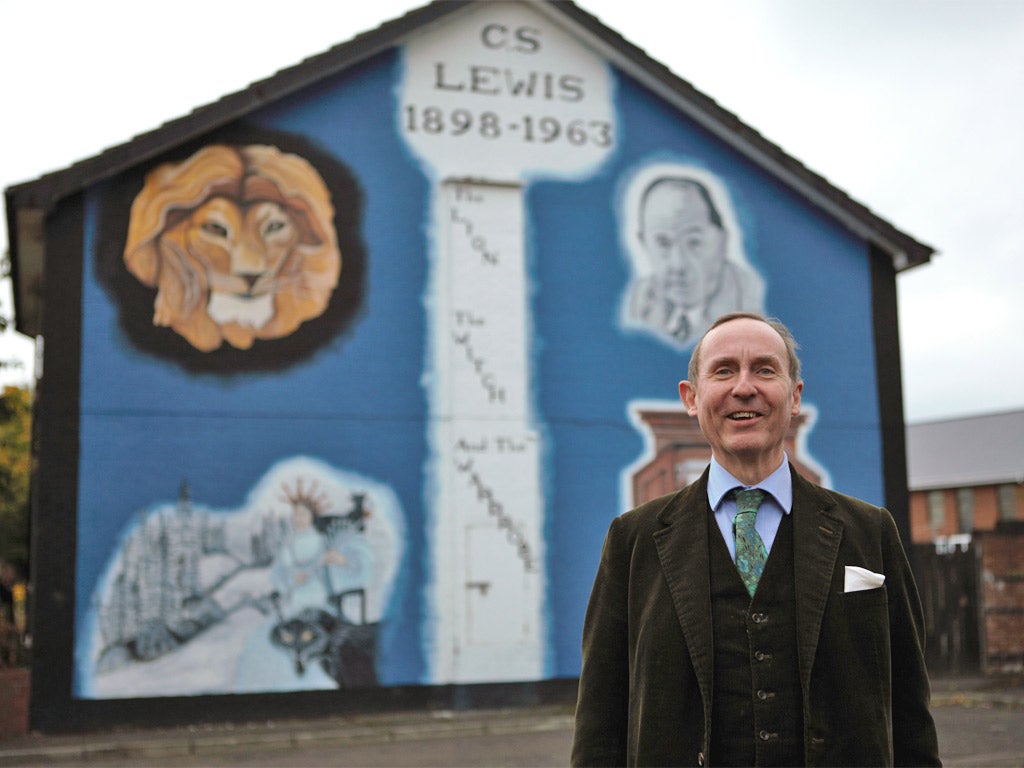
(646, 681)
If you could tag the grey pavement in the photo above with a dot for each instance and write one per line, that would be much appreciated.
(980, 722)
(417, 734)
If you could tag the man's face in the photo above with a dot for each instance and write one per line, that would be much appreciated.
(743, 397)
(685, 248)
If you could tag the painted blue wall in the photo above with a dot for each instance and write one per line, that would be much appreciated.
(358, 402)
(818, 282)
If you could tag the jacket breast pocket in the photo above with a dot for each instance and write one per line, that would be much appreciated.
(857, 640)
(863, 599)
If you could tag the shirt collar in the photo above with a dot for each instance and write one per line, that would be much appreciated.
(779, 484)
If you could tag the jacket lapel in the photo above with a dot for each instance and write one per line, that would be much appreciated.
(682, 546)
(817, 532)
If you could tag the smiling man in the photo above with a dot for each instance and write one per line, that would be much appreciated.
(752, 618)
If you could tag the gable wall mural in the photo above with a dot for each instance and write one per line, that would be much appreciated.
(366, 375)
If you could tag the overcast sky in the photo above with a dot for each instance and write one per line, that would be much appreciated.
(914, 108)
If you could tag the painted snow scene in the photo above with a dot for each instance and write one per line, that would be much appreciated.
(285, 593)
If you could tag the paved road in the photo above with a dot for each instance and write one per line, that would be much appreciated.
(980, 737)
(513, 750)
(969, 735)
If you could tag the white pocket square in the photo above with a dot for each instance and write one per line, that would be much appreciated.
(859, 579)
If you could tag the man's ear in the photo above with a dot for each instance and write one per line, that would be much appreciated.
(688, 394)
(798, 389)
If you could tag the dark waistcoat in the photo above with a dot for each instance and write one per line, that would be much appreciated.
(757, 711)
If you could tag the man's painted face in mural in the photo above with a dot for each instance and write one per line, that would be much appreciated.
(686, 248)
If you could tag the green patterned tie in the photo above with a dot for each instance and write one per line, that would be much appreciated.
(750, 551)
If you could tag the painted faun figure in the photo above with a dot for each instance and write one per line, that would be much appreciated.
(752, 618)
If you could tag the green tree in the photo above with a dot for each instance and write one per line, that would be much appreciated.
(5, 273)
(15, 471)
(7, 307)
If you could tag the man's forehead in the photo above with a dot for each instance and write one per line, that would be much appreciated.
(743, 338)
(675, 197)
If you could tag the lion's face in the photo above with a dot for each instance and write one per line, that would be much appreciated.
(238, 253)
(254, 257)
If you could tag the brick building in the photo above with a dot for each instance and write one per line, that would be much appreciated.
(966, 480)
(965, 474)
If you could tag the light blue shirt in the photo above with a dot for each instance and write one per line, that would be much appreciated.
(778, 502)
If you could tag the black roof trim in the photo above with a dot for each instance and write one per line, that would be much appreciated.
(48, 190)
(905, 249)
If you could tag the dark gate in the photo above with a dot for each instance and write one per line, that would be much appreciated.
(947, 579)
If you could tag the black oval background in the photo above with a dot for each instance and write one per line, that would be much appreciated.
(135, 300)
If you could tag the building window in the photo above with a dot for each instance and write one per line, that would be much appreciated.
(936, 509)
(690, 470)
(1008, 501)
(965, 509)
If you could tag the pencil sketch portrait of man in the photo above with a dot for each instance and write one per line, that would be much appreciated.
(686, 253)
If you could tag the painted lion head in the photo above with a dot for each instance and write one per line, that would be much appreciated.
(239, 242)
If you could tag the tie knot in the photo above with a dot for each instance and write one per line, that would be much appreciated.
(748, 500)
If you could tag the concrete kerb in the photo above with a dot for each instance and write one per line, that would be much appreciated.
(280, 735)
(36, 749)
(1003, 691)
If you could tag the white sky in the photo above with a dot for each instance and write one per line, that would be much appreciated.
(913, 107)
